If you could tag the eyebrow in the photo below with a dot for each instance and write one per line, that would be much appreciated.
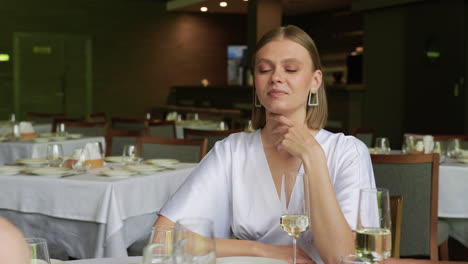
(283, 61)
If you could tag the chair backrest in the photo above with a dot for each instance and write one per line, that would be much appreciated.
(365, 134)
(117, 139)
(88, 129)
(43, 117)
(444, 139)
(161, 129)
(97, 117)
(416, 178)
(184, 150)
(211, 135)
(129, 123)
(396, 209)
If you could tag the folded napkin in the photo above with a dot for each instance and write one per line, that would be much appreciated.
(171, 116)
(26, 130)
(428, 142)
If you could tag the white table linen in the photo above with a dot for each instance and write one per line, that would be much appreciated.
(453, 190)
(109, 210)
(122, 260)
(11, 151)
(5, 128)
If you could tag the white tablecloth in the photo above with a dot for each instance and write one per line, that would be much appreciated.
(453, 190)
(194, 124)
(123, 260)
(90, 216)
(5, 128)
(11, 151)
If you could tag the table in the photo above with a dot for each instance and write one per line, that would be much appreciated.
(11, 151)
(5, 128)
(194, 124)
(122, 260)
(89, 216)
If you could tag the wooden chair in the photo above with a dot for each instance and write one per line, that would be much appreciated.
(415, 177)
(97, 117)
(117, 139)
(129, 123)
(444, 139)
(185, 150)
(59, 120)
(365, 134)
(211, 135)
(88, 129)
(161, 129)
(396, 209)
(43, 117)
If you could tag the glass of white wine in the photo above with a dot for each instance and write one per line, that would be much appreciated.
(295, 201)
(373, 235)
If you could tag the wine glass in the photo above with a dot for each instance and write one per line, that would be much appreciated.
(160, 244)
(453, 148)
(82, 163)
(54, 155)
(382, 145)
(38, 251)
(295, 201)
(194, 242)
(60, 130)
(353, 259)
(130, 155)
(373, 234)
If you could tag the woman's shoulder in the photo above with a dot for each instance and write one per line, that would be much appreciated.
(341, 143)
(239, 139)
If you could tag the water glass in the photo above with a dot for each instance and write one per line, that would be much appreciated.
(38, 251)
(81, 164)
(439, 150)
(353, 259)
(382, 145)
(453, 148)
(194, 242)
(130, 155)
(60, 130)
(160, 244)
(54, 155)
(373, 233)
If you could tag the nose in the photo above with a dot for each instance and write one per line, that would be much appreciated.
(277, 76)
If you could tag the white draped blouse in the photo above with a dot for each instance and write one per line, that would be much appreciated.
(233, 186)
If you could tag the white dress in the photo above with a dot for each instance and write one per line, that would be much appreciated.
(233, 186)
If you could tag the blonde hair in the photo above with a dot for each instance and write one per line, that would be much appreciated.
(316, 115)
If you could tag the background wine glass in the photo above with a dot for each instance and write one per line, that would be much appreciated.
(295, 201)
(54, 155)
(453, 148)
(160, 244)
(38, 251)
(81, 165)
(194, 242)
(373, 235)
(382, 145)
(130, 155)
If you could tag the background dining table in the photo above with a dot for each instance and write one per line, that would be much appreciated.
(89, 216)
(10, 151)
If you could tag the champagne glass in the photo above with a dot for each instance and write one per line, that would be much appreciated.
(295, 201)
(38, 251)
(160, 244)
(130, 155)
(194, 242)
(373, 235)
(54, 155)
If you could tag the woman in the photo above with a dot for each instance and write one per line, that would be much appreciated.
(237, 183)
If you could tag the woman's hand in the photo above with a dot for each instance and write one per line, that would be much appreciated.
(285, 253)
(293, 137)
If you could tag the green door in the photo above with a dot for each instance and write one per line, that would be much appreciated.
(52, 74)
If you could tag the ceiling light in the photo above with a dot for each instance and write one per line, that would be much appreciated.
(203, 8)
(360, 49)
(222, 4)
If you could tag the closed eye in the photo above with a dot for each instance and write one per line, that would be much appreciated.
(291, 70)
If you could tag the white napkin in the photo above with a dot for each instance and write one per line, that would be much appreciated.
(428, 144)
(93, 150)
(171, 116)
(26, 127)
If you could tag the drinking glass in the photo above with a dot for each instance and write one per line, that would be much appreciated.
(382, 145)
(60, 130)
(81, 164)
(439, 150)
(54, 155)
(353, 259)
(295, 201)
(373, 235)
(194, 242)
(38, 251)
(453, 148)
(130, 155)
(160, 244)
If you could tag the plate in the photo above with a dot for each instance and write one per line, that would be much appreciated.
(10, 170)
(43, 135)
(248, 260)
(51, 171)
(75, 136)
(144, 169)
(32, 162)
(41, 140)
(57, 138)
(162, 162)
(113, 159)
(117, 173)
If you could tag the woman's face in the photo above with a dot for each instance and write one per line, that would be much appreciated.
(283, 76)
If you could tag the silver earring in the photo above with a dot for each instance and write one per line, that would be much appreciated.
(309, 103)
(257, 104)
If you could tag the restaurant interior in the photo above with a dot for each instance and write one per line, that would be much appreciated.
(393, 70)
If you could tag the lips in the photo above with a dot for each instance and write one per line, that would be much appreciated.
(276, 93)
